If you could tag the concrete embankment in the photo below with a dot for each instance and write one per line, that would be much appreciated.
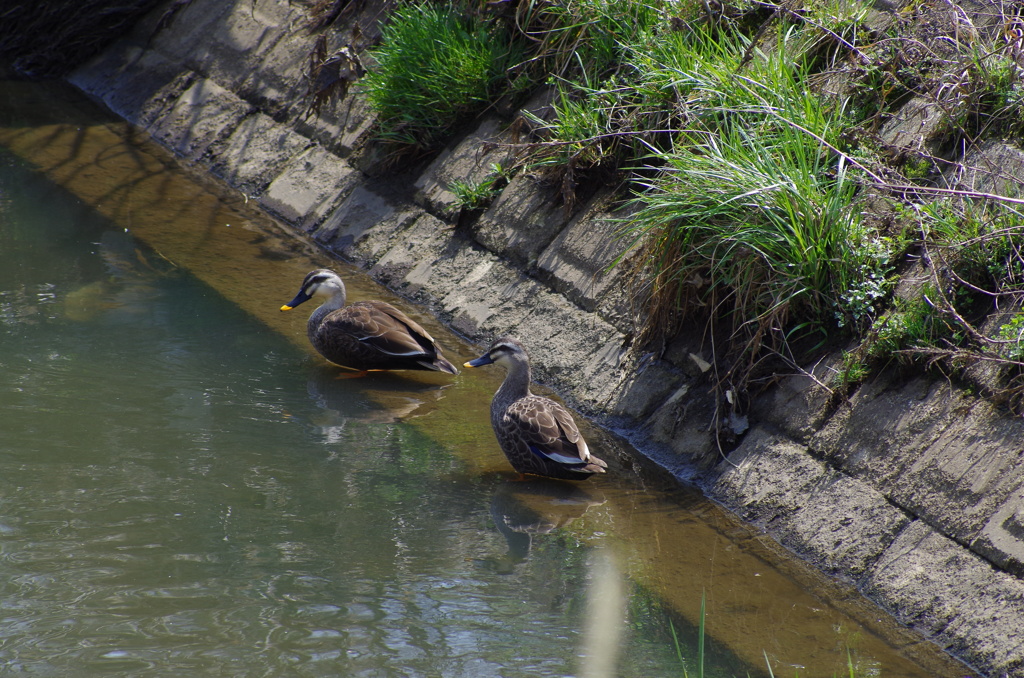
(912, 489)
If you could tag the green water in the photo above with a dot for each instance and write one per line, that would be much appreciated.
(186, 490)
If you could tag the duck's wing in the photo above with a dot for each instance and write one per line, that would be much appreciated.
(549, 431)
(384, 330)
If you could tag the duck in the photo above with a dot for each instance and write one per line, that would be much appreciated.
(367, 335)
(537, 435)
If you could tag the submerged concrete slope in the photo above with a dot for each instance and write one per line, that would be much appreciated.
(912, 490)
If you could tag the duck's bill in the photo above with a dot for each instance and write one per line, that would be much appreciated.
(300, 298)
(482, 360)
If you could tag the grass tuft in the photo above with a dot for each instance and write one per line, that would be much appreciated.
(437, 64)
(752, 220)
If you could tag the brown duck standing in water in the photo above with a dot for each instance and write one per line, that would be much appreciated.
(536, 434)
(366, 335)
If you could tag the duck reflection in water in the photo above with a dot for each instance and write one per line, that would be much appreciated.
(390, 399)
(524, 508)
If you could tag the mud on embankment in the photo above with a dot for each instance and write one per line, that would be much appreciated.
(913, 490)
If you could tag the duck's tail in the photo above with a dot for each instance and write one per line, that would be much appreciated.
(440, 364)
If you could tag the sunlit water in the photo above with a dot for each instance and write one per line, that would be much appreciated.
(185, 490)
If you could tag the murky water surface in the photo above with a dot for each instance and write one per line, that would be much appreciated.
(186, 490)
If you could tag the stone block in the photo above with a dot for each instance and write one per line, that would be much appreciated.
(203, 114)
(842, 526)
(645, 388)
(408, 264)
(187, 39)
(235, 42)
(577, 260)
(136, 84)
(256, 151)
(914, 126)
(278, 82)
(798, 404)
(682, 428)
(953, 597)
(471, 304)
(767, 476)
(947, 458)
(309, 188)
(424, 261)
(539, 110)
(523, 221)
(992, 167)
(470, 160)
(1002, 538)
(486, 297)
(342, 126)
(839, 523)
(364, 224)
